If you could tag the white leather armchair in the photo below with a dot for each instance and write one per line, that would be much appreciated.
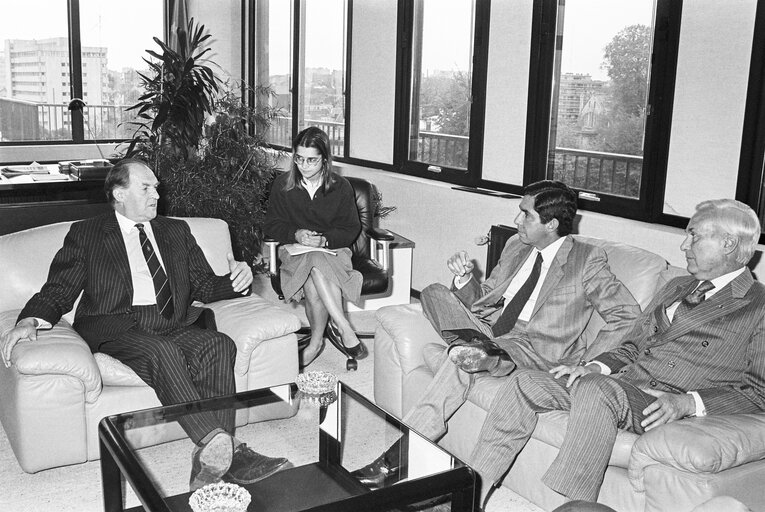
(56, 391)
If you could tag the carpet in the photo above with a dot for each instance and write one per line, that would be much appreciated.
(77, 488)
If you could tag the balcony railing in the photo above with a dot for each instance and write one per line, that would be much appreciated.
(280, 132)
(28, 121)
(595, 171)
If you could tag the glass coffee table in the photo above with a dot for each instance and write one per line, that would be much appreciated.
(325, 438)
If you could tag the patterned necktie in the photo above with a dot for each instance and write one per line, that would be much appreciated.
(161, 283)
(509, 316)
(693, 299)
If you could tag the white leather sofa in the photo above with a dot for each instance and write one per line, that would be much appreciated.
(55, 391)
(672, 468)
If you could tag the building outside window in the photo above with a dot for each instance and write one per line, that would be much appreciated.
(307, 73)
(600, 95)
(36, 42)
(441, 83)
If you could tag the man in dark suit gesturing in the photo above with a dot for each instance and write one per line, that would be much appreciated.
(138, 274)
(697, 349)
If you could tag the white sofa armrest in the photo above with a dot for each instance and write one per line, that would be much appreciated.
(249, 321)
(57, 351)
(699, 445)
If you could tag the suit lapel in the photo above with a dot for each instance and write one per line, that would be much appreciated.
(724, 302)
(554, 273)
(514, 266)
(115, 248)
(163, 237)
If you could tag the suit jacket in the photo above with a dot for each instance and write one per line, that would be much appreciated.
(93, 260)
(578, 283)
(718, 349)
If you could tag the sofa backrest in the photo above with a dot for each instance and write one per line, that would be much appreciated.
(25, 256)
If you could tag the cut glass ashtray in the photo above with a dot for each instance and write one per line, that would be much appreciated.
(220, 497)
(316, 382)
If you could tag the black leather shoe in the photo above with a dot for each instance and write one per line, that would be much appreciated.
(379, 473)
(211, 461)
(359, 351)
(333, 335)
(249, 466)
(476, 355)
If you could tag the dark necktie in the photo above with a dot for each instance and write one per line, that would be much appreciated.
(161, 283)
(509, 316)
(693, 299)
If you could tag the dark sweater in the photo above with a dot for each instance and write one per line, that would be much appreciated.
(334, 213)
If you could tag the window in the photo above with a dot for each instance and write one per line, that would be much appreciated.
(604, 105)
(308, 84)
(438, 123)
(37, 37)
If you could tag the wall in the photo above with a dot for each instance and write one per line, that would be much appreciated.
(442, 221)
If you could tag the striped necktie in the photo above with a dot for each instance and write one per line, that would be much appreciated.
(693, 299)
(161, 283)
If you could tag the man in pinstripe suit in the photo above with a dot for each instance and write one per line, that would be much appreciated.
(124, 263)
(572, 282)
(698, 349)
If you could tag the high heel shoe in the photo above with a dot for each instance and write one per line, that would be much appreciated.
(356, 352)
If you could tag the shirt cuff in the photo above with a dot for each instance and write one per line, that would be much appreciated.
(700, 409)
(604, 370)
(459, 285)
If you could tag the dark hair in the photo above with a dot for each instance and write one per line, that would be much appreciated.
(119, 176)
(311, 137)
(554, 200)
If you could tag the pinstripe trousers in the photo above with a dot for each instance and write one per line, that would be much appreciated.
(181, 364)
(451, 386)
(599, 405)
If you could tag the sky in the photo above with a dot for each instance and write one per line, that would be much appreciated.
(126, 32)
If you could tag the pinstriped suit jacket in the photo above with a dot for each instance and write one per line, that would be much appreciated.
(578, 283)
(93, 260)
(718, 349)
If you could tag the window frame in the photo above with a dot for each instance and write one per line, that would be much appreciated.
(75, 79)
(658, 128)
(404, 58)
(298, 25)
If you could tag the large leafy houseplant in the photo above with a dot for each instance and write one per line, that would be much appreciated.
(204, 142)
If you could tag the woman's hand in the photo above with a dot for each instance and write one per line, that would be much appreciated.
(309, 238)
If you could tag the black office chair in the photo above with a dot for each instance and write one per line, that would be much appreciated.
(370, 256)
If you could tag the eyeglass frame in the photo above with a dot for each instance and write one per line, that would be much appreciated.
(301, 160)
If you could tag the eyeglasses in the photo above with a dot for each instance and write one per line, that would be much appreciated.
(310, 161)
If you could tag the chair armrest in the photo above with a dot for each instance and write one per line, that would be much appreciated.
(699, 445)
(379, 234)
(410, 332)
(249, 321)
(269, 254)
(57, 351)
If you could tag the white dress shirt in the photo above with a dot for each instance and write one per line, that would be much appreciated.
(143, 285)
(548, 256)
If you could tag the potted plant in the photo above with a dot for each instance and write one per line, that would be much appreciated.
(204, 142)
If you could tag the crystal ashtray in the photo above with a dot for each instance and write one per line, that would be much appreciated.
(220, 497)
(316, 382)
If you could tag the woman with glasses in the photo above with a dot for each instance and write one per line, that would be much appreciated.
(312, 206)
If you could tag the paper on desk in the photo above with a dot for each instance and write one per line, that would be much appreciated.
(295, 249)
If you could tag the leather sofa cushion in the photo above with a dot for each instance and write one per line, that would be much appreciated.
(115, 372)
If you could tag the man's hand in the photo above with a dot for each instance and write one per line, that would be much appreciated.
(25, 329)
(573, 372)
(460, 265)
(241, 274)
(667, 407)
